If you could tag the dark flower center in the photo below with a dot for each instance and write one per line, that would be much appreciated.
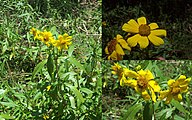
(112, 45)
(144, 30)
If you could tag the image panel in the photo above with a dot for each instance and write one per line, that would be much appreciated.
(50, 60)
(147, 90)
(146, 29)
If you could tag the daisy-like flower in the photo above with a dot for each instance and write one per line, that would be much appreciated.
(114, 49)
(176, 87)
(143, 82)
(143, 33)
(46, 37)
(63, 41)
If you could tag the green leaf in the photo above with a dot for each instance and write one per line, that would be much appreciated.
(38, 68)
(165, 113)
(131, 112)
(178, 106)
(2, 91)
(50, 65)
(9, 104)
(86, 90)
(76, 63)
(72, 101)
(76, 92)
(6, 116)
(70, 50)
(176, 117)
(37, 96)
(148, 111)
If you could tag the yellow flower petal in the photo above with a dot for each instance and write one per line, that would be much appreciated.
(113, 56)
(148, 75)
(155, 40)
(132, 41)
(153, 95)
(145, 95)
(132, 83)
(141, 20)
(170, 82)
(128, 28)
(163, 94)
(178, 97)
(133, 23)
(169, 98)
(153, 26)
(130, 73)
(159, 32)
(119, 50)
(106, 50)
(154, 85)
(123, 43)
(143, 42)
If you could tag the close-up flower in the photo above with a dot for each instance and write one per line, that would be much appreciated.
(48, 87)
(176, 87)
(143, 33)
(143, 82)
(63, 41)
(114, 49)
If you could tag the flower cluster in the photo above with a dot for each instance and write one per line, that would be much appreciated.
(139, 33)
(144, 83)
(47, 38)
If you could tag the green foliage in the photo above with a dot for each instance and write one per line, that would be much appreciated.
(29, 67)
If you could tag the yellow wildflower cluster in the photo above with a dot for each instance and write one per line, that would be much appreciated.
(46, 37)
(144, 83)
(140, 33)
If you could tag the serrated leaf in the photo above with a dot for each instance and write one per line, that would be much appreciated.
(76, 63)
(38, 68)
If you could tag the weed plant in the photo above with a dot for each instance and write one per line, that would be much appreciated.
(27, 90)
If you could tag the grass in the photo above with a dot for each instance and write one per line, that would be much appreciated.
(25, 98)
(173, 16)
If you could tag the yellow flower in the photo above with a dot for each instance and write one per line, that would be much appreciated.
(143, 82)
(117, 70)
(114, 48)
(63, 41)
(48, 87)
(45, 117)
(143, 33)
(176, 87)
(35, 32)
(104, 23)
(46, 37)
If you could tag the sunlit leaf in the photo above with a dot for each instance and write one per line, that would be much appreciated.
(38, 68)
